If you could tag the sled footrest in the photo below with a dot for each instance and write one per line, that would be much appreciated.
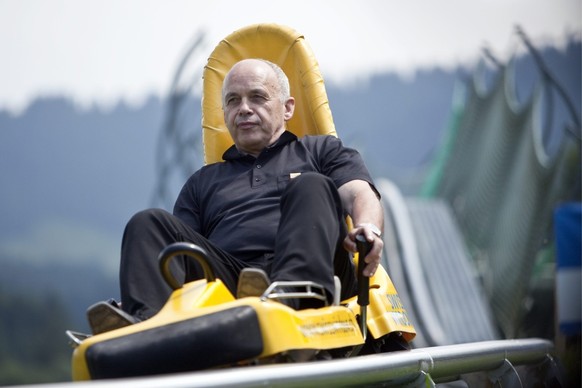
(301, 290)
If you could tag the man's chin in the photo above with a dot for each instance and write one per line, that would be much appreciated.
(249, 145)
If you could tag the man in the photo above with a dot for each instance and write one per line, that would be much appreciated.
(273, 209)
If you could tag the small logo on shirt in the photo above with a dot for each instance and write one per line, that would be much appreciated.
(294, 175)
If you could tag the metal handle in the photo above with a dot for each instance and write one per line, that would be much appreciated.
(189, 250)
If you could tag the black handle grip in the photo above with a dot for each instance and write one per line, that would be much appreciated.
(364, 248)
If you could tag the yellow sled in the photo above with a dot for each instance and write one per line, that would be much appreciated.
(203, 325)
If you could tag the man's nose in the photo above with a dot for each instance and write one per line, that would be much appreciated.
(244, 107)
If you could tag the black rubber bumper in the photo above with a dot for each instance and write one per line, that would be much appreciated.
(221, 338)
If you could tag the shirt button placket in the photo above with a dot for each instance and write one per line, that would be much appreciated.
(258, 176)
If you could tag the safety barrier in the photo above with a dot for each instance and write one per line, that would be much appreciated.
(419, 367)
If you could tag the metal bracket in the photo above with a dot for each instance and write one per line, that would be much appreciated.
(423, 380)
(547, 373)
(505, 376)
(75, 338)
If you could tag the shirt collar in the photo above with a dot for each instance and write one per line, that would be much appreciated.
(233, 153)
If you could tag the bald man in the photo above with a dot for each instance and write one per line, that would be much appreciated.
(273, 210)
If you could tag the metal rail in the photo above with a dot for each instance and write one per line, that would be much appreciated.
(418, 367)
(425, 311)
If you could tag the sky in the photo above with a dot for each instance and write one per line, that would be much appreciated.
(103, 51)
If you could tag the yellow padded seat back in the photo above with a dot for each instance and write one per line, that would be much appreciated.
(278, 44)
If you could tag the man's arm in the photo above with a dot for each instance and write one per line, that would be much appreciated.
(362, 203)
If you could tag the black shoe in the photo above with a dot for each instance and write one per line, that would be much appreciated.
(104, 317)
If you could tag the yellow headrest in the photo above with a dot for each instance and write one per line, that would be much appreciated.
(280, 45)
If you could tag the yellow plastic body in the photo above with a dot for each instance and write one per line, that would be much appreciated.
(282, 328)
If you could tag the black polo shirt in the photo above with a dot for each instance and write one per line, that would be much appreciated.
(235, 203)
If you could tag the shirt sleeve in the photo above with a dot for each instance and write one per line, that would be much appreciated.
(342, 164)
(187, 206)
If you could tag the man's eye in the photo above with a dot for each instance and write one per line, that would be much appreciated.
(258, 97)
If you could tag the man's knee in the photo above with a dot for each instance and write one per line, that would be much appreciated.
(147, 216)
(146, 220)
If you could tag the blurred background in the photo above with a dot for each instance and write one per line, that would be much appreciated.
(100, 118)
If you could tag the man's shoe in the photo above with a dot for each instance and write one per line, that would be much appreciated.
(252, 282)
(104, 317)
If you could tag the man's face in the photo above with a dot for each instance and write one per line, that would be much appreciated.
(253, 111)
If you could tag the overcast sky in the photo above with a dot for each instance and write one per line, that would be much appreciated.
(104, 50)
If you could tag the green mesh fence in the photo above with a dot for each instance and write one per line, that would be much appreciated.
(503, 187)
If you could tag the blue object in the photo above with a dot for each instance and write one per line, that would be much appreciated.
(568, 228)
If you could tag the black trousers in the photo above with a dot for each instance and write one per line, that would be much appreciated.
(308, 247)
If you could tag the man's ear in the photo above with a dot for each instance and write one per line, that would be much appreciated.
(289, 108)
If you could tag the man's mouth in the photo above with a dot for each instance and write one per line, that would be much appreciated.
(246, 125)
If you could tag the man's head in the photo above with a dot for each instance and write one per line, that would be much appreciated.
(256, 104)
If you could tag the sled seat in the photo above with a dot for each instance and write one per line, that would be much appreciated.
(288, 49)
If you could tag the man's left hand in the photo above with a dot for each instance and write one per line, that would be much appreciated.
(372, 260)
